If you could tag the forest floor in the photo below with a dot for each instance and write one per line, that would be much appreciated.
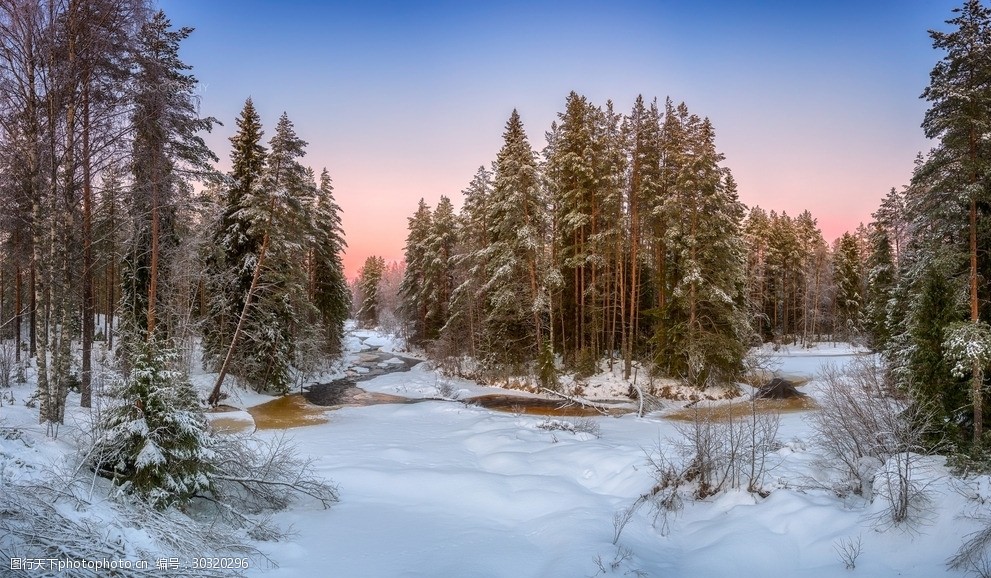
(440, 487)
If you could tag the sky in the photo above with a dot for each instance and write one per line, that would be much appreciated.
(815, 104)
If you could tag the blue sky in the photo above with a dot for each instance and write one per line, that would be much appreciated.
(815, 104)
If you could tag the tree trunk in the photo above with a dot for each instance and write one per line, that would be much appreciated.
(18, 289)
(977, 379)
(214, 398)
(88, 309)
(153, 280)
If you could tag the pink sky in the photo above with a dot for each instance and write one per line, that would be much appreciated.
(815, 104)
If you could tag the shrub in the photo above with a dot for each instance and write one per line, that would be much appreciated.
(863, 420)
(712, 456)
(874, 435)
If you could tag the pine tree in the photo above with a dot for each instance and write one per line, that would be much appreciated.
(757, 236)
(674, 150)
(813, 250)
(642, 128)
(166, 136)
(892, 218)
(611, 168)
(572, 178)
(784, 275)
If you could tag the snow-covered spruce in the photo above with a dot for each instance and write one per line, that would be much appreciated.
(155, 440)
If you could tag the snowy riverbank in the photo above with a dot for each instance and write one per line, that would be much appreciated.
(439, 488)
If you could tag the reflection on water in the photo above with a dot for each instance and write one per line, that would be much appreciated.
(230, 425)
(743, 409)
(286, 412)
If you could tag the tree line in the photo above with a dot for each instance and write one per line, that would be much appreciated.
(623, 239)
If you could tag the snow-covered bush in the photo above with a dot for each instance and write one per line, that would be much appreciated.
(619, 564)
(155, 440)
(710, 457)
(582, 425)
(722, 455)
(48, 520)
(446, 389)
(904, 487)
(252, 476)
(974, 555)
(863, 423)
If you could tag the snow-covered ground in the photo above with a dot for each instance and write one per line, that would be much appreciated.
(443, 488)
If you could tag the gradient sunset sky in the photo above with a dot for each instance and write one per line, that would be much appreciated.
(815, 104)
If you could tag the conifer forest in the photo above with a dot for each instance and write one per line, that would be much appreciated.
(169, 309)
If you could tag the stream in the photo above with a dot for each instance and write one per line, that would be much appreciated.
(309, 407)
(345, 391)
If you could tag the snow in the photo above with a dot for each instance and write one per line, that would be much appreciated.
(444, 488)
(440, 488)
(382, 342)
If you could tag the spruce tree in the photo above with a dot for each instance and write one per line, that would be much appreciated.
(848, 314)
(707, 334)
(369, 279)
(278, 209)
(157, 443)
(464, 330)
(414, 305)
(330, 288)
(516, 303)
(230, 264)
(933, 310)
(267, 232)
(438, 267)
(880, 287)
